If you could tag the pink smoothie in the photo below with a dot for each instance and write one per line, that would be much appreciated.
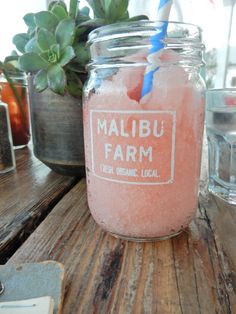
(143, 157)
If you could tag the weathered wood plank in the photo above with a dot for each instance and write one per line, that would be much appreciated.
(221, 219)
(191, 273)
(26, 196)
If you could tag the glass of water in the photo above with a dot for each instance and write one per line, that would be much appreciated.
(221, 134)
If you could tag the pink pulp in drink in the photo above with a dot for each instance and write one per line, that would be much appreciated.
(143, 157)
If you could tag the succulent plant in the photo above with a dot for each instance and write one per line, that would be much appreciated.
(54, 47)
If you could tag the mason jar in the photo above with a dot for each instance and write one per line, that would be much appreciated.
(143, 150)
(17, 99)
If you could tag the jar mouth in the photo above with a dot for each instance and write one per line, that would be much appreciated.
(221, 91)
(17, 76)
(146, 28)
(130, 43)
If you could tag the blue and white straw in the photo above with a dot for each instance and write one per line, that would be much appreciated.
(157, 42)
(163, 11)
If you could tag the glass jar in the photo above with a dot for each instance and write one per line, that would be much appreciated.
(221, 135)
(18, 108)
(7, 157)
(143, 152)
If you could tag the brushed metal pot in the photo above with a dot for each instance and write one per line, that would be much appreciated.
(57, 131)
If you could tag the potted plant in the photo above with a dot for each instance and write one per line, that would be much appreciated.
(54, 52)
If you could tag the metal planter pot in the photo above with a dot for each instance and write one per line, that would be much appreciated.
(57, 131)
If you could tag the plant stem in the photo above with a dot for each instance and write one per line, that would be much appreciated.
(16, 94)
(73, 8)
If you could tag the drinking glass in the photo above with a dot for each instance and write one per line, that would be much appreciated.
(221, 134)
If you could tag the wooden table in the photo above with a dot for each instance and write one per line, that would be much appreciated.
(44, 216)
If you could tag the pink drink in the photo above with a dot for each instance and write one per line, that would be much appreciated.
(143, 156)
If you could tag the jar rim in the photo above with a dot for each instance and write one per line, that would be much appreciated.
(17, 76)
(221, 90)
(102, 32)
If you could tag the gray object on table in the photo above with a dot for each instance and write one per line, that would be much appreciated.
(33, 280)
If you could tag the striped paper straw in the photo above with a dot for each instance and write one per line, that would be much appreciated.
(164, 8)
(157, 42)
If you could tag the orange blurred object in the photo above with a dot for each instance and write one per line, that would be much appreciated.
(19, 115)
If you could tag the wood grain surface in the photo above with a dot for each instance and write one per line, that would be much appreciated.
(27, 195)
(192, 273)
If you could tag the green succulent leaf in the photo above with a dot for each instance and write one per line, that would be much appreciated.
(73, 8)
(81, 18)
(98, 8)
(59, 11)
(32, 62)
(124, 18)
(85, 11)
(94, 23)
(65, 32)
(10, 67)
(74, 89)
(20, 40)
(11, 58)
(138, 18)
(117, 9)
(57, 79)
(29, 20)
(45, 39)
(106, 5)
(67, 55)
(14, 53)
(45, 55)
(31, 32)
(74, 84)
(40, 81)
(80, 31)
(77, 68)
(45, 19)
(11, 62)
(56, 50)
(52, 57)
(32, 46)
(57, 2)
(82, 53)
